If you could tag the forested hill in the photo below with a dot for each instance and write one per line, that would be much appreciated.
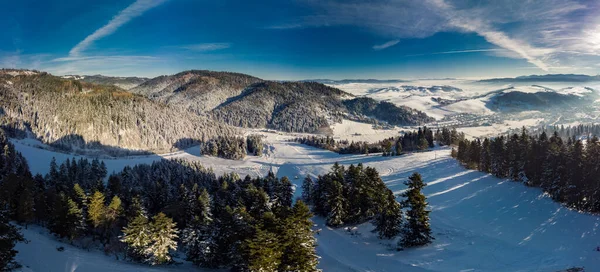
(197, 90)
(245, 101)
(288, 106)
(70, 113)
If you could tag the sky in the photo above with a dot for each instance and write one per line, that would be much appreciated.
(303, 39)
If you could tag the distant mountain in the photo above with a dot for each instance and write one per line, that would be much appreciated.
(544, 99)
(308, 107)
(121, 82)
(544, 78)
(347, 81)
(197, 90)
(386, 111)
(416, 89)
(246, 101)
(72, 114)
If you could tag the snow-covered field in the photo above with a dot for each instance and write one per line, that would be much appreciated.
(480, 223)
(356, 131)
(472, 96)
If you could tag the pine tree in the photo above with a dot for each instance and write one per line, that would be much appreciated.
(80, 196)
(388, 221)
(263, 251)
(195, 236)
(163, 234)
(423, 143)
(307, 190)
(336, 204)
(284, 192)
(115, 210)
(137, 237)
(416, 231)
(9, 237)
(398, 147)
(75, 220)
(298, 241)
(26, 206)
(97, 210)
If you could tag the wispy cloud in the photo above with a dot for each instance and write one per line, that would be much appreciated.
(206, 47)
(549, 34)
(132, 11)
(459, 52)
(109, 65)
(385, 45)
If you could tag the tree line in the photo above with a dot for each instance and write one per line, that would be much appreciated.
(232, 147)
(421, 139)
(566, 169)
(357, 194)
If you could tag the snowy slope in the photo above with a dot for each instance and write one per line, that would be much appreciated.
(40, 254)
(481, 223)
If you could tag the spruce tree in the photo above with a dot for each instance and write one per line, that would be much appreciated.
(336, 204)
(9, 237)
(388, 221)
(75, 220)
(298, 241)
(195, 236)
(97, 210)
(137, 237)
(307, 190)
(163, 234)
(416, 231)
(26, 206)
(263, 250)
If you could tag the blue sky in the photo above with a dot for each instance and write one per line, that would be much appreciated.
(300, 39)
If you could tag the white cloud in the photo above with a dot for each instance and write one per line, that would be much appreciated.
(134, 10)
(385, 45)
(550, 34)
(107, 65)
(205, 47)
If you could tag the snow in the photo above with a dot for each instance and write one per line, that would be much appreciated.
(472, 96)
(482, 131)
(356, 131)
(481, 223)
(40, 254)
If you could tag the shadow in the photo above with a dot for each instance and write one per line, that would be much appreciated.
(185, 143)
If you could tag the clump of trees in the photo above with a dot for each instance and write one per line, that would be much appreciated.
(254, 144)
(357, 194)
(233, 148)
(421, 139)
(146, 212)
(566, 169)
(13, 167)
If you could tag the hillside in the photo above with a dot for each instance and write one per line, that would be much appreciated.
(288, 106)
(245, 101)
(121, 82)
(386, 111)
(197, 90)
(481, 223)
(71, 114)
